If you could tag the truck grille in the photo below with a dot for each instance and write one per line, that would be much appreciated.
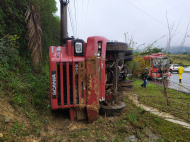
(67, 84)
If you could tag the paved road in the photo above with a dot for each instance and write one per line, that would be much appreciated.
(185, 82)
(174, 82)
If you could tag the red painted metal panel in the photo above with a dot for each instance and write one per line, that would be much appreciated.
(74, 91)
(72, 114)
(68, 85)
(84, 84)
(79, 82)
(69, 48)
(53, 60)
(61, 83)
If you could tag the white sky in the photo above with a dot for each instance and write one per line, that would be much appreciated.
(145, 20)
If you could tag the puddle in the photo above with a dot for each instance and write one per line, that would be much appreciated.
(155, 111)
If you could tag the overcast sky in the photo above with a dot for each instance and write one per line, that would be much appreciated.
(145, 20)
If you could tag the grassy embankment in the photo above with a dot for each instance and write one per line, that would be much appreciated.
(153, 96)
(25, 113)
(178, 59)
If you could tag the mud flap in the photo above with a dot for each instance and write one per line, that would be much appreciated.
(93, 113)
(81, 114)
(72, 113)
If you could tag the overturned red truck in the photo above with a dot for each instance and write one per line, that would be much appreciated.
(87, 78)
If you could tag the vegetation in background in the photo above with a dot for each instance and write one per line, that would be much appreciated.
(181, 59)
(13, 22)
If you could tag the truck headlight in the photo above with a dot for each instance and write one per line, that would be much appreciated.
(78, 47)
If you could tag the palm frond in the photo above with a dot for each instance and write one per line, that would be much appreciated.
(34, 36)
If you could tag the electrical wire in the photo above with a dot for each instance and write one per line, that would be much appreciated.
(182, 5)
(148, 15)
(75, 17)
(145, 13)
(72, 26)
(86, 19)
(82, 18)
(176, 8)
(165, 8)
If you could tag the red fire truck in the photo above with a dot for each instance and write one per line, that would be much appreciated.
(157, 65)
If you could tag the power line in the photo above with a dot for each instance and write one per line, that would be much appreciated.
(86, 18)
(149, 15)
(82, 18)
(71, 20)
(165, 8)
(175, 7)
(182, 5)
(75, 16)
(145, 13)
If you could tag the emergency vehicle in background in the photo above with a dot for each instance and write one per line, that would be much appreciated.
(156, 64)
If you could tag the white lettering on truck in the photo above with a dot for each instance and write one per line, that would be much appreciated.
(54, 85)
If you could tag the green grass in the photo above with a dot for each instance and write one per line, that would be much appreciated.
(153, 96)
(178, 59)
(25, 88)
(133, 121)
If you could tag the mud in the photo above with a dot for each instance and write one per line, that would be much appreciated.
(89, 82)
(155, 111)
(81, 104)
(92, 59)
(96, 85)
(82, 71)
(93, 106)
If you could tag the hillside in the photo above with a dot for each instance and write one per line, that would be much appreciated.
(178, 59)
(179, 50)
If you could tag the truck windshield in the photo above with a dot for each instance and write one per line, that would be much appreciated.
(160, 62)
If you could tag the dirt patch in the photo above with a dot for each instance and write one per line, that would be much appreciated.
(11, 115)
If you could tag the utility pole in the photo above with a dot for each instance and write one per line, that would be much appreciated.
(63, 6)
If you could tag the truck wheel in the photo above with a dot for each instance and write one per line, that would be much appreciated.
(116, 47)
(128, 58)
(129, 52)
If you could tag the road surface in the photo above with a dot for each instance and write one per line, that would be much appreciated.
(183, 86)
(173, 83)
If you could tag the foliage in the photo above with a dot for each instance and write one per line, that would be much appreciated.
(156, 50)
(12, 21)
(50, 25)
(26, 87)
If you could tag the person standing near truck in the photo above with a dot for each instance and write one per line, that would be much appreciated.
(180, 71)
(144, 76)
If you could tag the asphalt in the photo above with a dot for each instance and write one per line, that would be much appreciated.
(183, 86)
(173, 83)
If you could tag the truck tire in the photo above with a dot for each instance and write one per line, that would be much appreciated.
(128, 58)
(129, 52)
(116, 47)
